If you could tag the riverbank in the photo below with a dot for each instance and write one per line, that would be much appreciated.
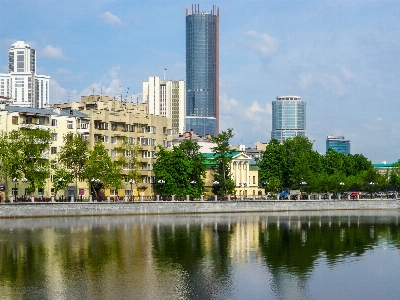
(79, 209)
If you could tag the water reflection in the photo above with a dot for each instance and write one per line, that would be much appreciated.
(229, 256)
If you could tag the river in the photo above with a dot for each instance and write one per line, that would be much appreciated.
(299, 255)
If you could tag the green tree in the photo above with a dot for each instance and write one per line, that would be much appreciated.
(181, 171)
(73, 155)
(36, 168)
(272, 164)
(224, 184)
(128, 158)
(61, 180)
(100, 166)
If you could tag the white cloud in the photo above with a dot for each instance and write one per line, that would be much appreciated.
(330, 82)
(114, 71)
(228, 104)
(257, 113)
(379, 119)
(110, 18)
(348, 75)
(53, 52)
(58, 94)
(263, 43)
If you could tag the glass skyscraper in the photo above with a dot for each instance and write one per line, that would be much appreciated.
(288, 117)
(338, 143)
(202, 71)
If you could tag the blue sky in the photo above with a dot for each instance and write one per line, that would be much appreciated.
(342, 57)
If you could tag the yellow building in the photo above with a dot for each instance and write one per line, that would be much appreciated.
(112, 121)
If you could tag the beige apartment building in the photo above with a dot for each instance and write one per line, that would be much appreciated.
(58, 122)
(112, 121)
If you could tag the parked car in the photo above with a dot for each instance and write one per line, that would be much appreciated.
(380, 194)
(354, 194)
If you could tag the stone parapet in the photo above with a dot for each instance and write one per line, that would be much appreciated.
(76, 209)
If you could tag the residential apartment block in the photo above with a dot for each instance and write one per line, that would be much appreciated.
(113, 121)
(58, 122)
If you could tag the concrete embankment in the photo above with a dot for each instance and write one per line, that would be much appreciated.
(76, 209)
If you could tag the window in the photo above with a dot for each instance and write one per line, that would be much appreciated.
(254, 179)
(53, 122)
(114, 153)
(70, 125)
(15, 120)
(114, 139)
(105, 139)
(113, 126)
(54, 136)
(53, 150)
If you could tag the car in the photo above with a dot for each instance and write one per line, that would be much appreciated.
(354, 194)
(380, 194)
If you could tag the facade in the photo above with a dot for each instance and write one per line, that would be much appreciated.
(202, 71)
(166, 98)
(113, 121)
(288, 117)
(338, 143)
(59, 123)
(243, 173)
(21, 84)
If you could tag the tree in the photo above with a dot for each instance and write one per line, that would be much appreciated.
(181, 171)
(33, 143)
(73, 156)
(100, 166)
(272, 164)
(61, 180)
(128, 158)
(223, 183)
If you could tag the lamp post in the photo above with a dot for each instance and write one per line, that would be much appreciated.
(61, 183)
(131, 181)
(372, 184)
(215, 184)
(161, 182)
(266, 189)
(15, 192)
(341, 188)
(95, 181)
(302, 185)
(193, 182)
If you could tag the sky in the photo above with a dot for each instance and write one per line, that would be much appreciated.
(341, 57)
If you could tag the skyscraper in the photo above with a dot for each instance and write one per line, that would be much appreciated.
(202, 71)
(288, 117)
(21, 84)
(338, 143)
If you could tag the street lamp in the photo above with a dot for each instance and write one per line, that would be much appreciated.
(372, 187)
(266, 189)
(93, 182)
(161, 182)
(15, 192)
(302, 185)
(341, 187)
(131, 181)
(61, 182)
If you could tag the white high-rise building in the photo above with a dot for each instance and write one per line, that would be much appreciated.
(166, 98)
(21, 84)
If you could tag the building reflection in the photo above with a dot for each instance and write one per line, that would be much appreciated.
(187, 257)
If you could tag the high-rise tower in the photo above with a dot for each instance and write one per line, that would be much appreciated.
(202, 71)
(21, 84)
(288, 117)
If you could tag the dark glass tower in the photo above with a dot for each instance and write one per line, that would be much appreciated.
(202, 71)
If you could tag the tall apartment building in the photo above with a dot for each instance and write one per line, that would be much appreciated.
(166, 98)
(21, 84)
(202, 71)
(113, 121)
(59, 123)
(338, 143)
(288, 117)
